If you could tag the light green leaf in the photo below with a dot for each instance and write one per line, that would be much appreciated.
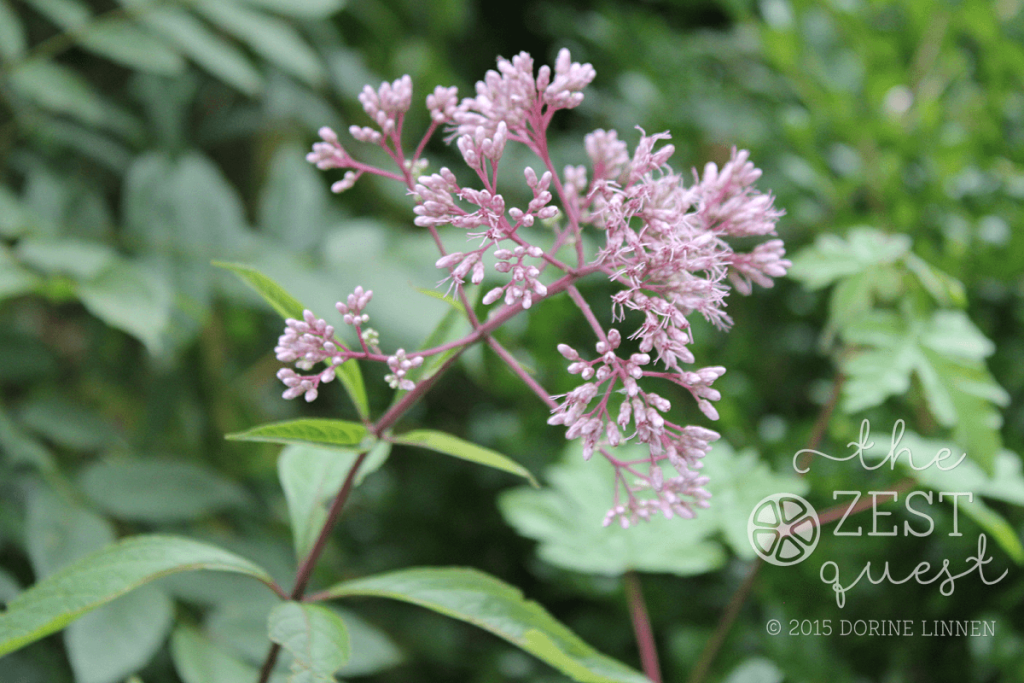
(274, 294)
(294, 201)
(464, 450)
(311, 477)
(123, 41)
(755, 670)
(116, 640)
(197, 660)
(831, 258)
(158, 490)
(952, 334)
(1005, 483)
(14, 219)
(315, 636)
(307, 9)
(132, 299)
(273, 39)
(77, 258)
(222, 59)
(67, 423)
(12, 33)
(486, 602)
(58, 89)
(566, 516)
(434, 294)
(316, 431)
(348, 373)
(14, 280)
(9, 586)
(96, 579)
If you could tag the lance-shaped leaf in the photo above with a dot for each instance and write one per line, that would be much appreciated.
(315, 636)
(288, 306)
(314, 431)
(482, 600)
(464, 450)
(98, 578)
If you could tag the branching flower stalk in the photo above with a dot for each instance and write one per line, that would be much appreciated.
(666, 244)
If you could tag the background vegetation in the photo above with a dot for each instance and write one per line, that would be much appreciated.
(141, 140)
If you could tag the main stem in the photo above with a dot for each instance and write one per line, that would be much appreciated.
(642, 627)
(305, 569)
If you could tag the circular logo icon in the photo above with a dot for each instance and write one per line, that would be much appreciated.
(783, 529)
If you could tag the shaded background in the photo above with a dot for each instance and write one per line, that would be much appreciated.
(139, 142)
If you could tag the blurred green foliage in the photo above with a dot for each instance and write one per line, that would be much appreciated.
(141, 140)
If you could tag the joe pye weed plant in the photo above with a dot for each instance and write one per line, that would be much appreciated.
(664, 239)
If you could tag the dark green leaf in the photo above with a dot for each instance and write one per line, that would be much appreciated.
(197, 660)
(486, 602)
(12, 33)
(58, 89)
(98, 578)
(132, 299)
(122, 41)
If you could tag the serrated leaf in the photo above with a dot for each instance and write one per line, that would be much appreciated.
(315, 431)
(1005, 483)
(566, 516)
(311, 477)
(464, 450)
(831, 257)
(315, 636)
(12, 33)
(96, 579)
(484, 601)
(222, 59)
(117, 639)
(158, 489)
(287, 306)
(273, 39)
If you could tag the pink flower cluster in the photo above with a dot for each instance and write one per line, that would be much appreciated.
(667, 245)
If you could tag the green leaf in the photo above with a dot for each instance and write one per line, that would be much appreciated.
(464, 450)
(307, 9)
(315, 636)
(77, 258)
(755, 670)
(311, 477)
(58, 89)
(946, 352)
(273, 39)
(831, 258)
(122, 41)
(565, 517)
(316, 431)
(66, 423)
(158, 490)
(12, 33)
(274, 294)
(118, 639)
(222, 59)
(14, 280)
(434, 294)
(484, 601)
(1005, 483)
(241, 624)
(293, 202)
(58, 532)
(67, 14)
(197, 660)
(132, 299)
(96, 579)
(348, 373)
